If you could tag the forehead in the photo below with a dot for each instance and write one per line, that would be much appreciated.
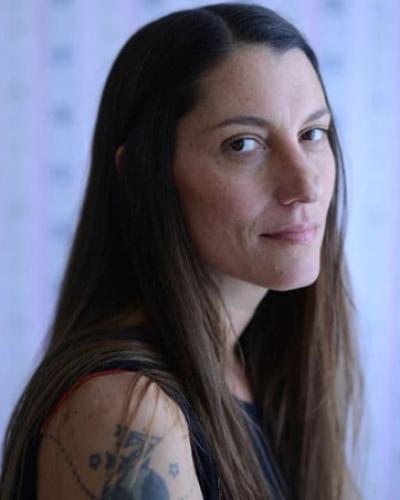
(258, 79)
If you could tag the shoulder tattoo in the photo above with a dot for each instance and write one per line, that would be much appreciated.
(127, 475)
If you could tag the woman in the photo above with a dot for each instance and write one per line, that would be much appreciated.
(202, 343)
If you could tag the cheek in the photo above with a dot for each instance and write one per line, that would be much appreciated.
(330, 183)
(215, 207)
(328, 166)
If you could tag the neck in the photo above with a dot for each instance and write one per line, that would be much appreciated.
(241, 300)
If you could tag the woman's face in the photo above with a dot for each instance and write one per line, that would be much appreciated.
(255, 171)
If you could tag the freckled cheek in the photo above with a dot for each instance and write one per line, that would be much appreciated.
(330, 181)
(213, 208)
(327, 181)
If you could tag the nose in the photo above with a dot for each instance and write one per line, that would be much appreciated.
(298, 181)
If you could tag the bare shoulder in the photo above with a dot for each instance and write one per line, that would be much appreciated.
(117, 436)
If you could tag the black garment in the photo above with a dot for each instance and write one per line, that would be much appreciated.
(204, 464)
(264, 452)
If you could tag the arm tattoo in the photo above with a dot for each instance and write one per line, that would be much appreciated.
(173, 470)
(68, 459)
(123, 480)
(148, 484)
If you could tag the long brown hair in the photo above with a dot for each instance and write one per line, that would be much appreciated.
(132, 249)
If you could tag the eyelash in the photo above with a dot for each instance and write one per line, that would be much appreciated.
(236, 140)
(324, 130)
(244, 138)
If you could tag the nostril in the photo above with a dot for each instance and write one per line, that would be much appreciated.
(302, 189)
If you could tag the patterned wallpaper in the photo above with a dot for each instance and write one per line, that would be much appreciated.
(54, 57)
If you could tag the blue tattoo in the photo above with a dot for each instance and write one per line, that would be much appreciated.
(173, 470)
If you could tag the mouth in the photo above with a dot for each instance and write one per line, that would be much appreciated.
(299, 237)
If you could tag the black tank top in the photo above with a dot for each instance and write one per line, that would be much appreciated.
(204, 464)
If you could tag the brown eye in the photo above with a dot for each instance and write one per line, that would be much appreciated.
(243, 145)
(314, 134)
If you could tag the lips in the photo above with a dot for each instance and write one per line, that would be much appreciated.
(295, 228)
(300, 233)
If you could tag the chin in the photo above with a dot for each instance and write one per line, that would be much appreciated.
(292, 286)
(278, 277)
(292, 279)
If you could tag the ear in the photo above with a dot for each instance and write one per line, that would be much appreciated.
(120, 159)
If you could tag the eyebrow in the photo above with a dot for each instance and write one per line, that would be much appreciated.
(262, 122)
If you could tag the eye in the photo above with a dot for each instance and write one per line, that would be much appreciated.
(314, 134)
(243, 145)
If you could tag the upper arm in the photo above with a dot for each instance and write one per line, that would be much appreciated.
(87, 440)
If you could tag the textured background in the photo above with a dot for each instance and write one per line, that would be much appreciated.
(54, 57)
